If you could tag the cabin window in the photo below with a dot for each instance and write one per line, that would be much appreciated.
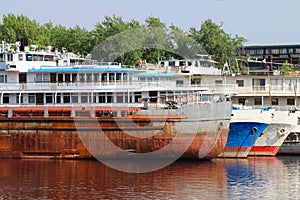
(60, 78)
(31, 99)
(258, 101)
(66, 97)
(84, 98)
(110, 98)
(65, 63)
(74, 98)
(58, 98)
(74, 78)
(240, 83)
(111, 76)
(38, 78)
(101, 98)
(143, 79)
(9, 57)
(6, 99)
(242, 101)
(125, 77)
(3, 78)
(118, 77)
(81, 78)
(218, 82)
(17, 100)
(96, 77)
(179, 83)
(274, 101)
(290, 102)
(120, 98)
(67, 78)
(2, 57)
(20, 57)
(89, 78)
(49, 98)
(29, 57)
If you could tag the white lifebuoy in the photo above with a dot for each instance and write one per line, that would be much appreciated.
(281, 132)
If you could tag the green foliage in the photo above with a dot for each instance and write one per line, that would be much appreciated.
(159, 41)
(286, 69)
(216, 42)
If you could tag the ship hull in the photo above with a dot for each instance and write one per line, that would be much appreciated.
(69, 137)
(274, 135)
(245, 127)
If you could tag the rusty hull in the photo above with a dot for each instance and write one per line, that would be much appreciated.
(57, 136)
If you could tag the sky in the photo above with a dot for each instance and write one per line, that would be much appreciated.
(259, 21)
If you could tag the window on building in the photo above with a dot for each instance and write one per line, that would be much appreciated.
(290, 102)
(240, 83)
(275, 101)
(67, 98)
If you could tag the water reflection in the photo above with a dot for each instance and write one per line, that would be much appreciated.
(259, 178)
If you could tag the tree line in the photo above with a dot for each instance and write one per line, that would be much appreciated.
(209, 38)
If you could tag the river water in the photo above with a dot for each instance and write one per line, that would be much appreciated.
(252, 178)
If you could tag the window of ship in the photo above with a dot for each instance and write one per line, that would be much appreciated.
(74, 98)
(96, 78)
(258, 101)
(242, 101)
(181, 63)
(20, 57)
(60, 78)
(110, 97)
(172, 63)
(67, 78)
(18, 98)
(120, 97)
(2, 57)
(49, 98)
(48, 58)
(137, 97)
(38, 78)
(179, 83)
(101, 98)
(84, 98)
(5, 98)
(66, 98)
(240, 83)
(118, 76)
(58, 98)
(125, 77)
(104, 77)
(142, 79)
(89, 77)
(81, 78)
(74, 78)
(3, 78)
(218, 82)
(274, 101)
(111, 77)
(290, 102)
(31, 99)
(10, 57)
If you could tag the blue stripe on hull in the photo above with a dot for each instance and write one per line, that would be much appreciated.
(240, 133)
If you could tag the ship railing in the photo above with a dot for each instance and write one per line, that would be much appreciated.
(46, 86)
(268, 89)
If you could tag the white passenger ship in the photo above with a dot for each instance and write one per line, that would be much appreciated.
(42, 92)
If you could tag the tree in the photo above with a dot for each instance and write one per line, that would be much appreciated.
(216, 42)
